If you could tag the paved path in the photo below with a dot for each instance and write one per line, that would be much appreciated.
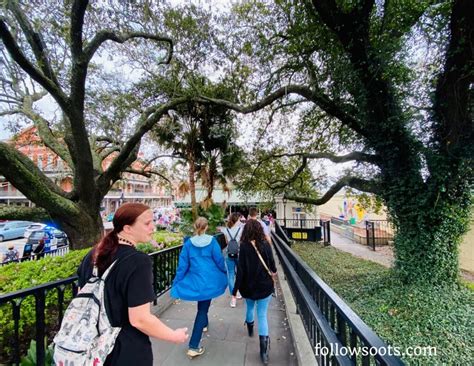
(227, 342)
(382, 255)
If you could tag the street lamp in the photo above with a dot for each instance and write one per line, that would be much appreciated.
(284, 200)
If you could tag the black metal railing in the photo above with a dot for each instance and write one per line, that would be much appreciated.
(379, 232)
(335, 332)
(326, 230)
(299, 223)
(42, 299)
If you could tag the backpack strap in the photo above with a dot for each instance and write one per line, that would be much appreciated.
(262, 260)
(237, 233)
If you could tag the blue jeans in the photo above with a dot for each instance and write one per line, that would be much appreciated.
(231, 264)
(262, 310)
(200, 322)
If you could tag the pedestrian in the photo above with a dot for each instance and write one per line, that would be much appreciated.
(253, 215)
(129, 287)
(11, 255)
(233, 232)
(39, 250)
(255, 280)
(201, 276)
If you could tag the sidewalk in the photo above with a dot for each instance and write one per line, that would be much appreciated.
(226, 342)
(382, 255)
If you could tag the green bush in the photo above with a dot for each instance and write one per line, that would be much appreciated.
(18, 276)
(402, 315)
(214, 214)
(161, 240)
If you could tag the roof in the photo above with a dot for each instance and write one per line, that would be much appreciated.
(234, 198)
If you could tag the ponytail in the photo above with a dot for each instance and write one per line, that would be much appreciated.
(104, 251)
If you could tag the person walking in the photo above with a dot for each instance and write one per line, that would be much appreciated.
(253, 215)
(201, 276)
(255, 281)
(232, 233)
(129, 287)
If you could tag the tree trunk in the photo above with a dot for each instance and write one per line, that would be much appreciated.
(83, 231)
(427, 244)
(192, 189)
(430, 217)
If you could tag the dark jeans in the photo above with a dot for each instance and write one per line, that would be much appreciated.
(200, 322)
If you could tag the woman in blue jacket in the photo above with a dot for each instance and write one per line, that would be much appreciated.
(201, 276)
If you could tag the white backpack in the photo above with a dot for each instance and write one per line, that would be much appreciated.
(86, 336)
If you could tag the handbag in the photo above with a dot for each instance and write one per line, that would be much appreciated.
(266, 268)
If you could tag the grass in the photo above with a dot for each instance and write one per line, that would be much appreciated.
(402, 315)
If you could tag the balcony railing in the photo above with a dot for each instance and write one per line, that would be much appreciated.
(53, 304)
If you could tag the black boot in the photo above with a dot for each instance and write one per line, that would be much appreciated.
(250, 328)
(264, 348)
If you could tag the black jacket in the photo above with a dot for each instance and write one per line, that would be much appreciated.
(253, 280)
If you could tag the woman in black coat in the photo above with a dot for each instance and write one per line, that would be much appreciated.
(255, 280)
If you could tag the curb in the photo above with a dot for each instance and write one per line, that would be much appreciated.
(304, 350)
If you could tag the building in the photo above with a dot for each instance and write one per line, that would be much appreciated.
(131, 188)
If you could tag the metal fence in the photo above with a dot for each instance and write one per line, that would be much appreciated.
(331, 325)
(52, 298)
(326, 231)
(379, 232)
(299, 223)
(59, 252)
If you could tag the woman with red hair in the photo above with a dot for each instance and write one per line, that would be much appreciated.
(129, 286)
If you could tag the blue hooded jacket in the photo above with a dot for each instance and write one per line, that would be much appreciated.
(201, 273)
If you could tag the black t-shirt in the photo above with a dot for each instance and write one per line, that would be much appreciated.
(129, 284)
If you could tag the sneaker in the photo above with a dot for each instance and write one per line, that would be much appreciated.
(233, 302)
(205, 329)
(193, 352)
(239, 296)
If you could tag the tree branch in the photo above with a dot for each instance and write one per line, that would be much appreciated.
(344, 113)
(147, 173)
(146, 122)
(78, 10)
(28, 179)
(355, 155)
(453, 96)
(35, 41)
(354, 182)
(107, 35)
(17, 55)
(45, 132)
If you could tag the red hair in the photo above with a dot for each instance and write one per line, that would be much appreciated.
(105, 250)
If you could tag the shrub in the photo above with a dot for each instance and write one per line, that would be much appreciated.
(214, 214)
(18, 276)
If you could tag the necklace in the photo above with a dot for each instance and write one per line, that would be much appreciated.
(125, 241)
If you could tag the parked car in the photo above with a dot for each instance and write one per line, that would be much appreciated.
(13, 229)
(33, 227)
(55, 236)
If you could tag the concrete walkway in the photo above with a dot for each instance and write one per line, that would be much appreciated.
(382, 255)
(226, 342)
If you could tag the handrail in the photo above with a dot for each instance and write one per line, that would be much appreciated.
(316, 298)
(164, 269)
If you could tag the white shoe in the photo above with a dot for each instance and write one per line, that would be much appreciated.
(233, 302)
(239, 296)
